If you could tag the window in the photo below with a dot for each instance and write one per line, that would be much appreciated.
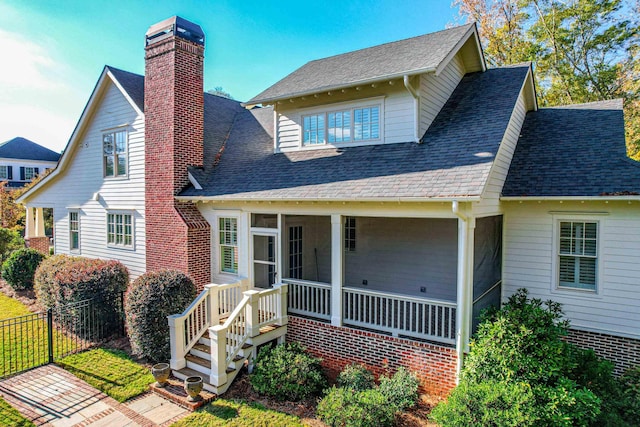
(350, 234)
(578, 255)
(228, 229)
(356, 124)
(4, 172)
(295, 252)
(120, 229)
(74, 231)
(29, 173)
(114, 148)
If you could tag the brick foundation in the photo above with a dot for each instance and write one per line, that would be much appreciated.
(623, 352)
(338, 346)
(40, 244)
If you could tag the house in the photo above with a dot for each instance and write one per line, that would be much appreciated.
(22, 160)
(368, 205)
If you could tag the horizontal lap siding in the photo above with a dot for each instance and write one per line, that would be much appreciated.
(84, 177)
(528, 262)
(436, 90)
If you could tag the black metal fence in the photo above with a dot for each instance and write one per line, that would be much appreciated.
(40, 338)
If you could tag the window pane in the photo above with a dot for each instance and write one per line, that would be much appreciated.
(108, 165)
(122, 165)
(567, 271)
(107, 144)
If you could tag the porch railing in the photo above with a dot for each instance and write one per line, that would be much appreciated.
(400, 315)
(215, 302)
(309, 298)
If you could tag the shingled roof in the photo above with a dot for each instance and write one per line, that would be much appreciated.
(453, 162)
(390, 60)
(576, 150)
(132, 83)
(22, 148)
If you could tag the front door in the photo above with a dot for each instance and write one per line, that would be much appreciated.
(265, 271)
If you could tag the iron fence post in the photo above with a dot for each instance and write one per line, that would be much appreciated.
(50, 333)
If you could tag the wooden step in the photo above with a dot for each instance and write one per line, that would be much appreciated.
(198, 361)
(203, 348)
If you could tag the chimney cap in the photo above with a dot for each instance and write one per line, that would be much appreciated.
(175, 26)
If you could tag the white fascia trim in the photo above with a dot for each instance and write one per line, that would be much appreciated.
(194, 181)
(569, 198)
(472, 30)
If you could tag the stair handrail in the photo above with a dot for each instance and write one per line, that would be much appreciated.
(186, 328)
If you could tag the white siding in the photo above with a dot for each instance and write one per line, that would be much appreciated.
(16, 164)
(436, 90)
(490, 204)
(529, 258)
(397, 110)
(76, 186)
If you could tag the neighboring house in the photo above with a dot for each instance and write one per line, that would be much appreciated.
(22, 160)
(396, 191)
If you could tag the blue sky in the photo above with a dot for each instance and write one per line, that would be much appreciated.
(54, 51)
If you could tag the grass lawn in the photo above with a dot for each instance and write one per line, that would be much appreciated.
(223, 412)
(10, 417)
(110, 371)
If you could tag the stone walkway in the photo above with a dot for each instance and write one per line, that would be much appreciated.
(51, 396)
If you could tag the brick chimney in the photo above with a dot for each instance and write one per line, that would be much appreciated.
(177, 236)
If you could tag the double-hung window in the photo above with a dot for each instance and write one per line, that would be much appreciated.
(114, 149)
(29, 173)
(74, 231)
(4, 172)
(120, 230)
(228, 244)
(353, 124)
(578, 255)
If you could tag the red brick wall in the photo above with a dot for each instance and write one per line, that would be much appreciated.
(178, 237)
(339, 346)
(623, 352)
(40, 244)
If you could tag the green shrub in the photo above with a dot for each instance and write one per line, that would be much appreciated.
(630, 401)
(345, 408)
(488, 403)
(10, 241)
(401, 389)
(62, 280)
(150, 299)
(356, 377)
(521, 344)
(287, 372)
(18, 270)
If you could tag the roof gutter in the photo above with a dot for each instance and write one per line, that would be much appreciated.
(416, 104)
(338, 200)
(569, 198)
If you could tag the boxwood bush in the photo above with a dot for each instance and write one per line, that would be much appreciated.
(18, 270)
(400, 390)
(150, 299)
(355, 377)
(288, 372)
(62, 280)
(343, 407)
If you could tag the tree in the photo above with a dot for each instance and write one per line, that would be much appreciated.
(219, 91)
(12, 214)
(583, 50)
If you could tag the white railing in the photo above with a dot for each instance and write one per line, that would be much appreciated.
(213, 303)
(400, 315)
(309, 298)
(255, 310)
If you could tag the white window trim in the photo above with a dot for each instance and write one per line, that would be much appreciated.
(341, 106)
(133, 229)
(215, 241)
(33, 173)
(115, 164)
(4, 175)
(77, 212)
(555, 278)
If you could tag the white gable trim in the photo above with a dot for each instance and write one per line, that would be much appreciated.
(83, 122)
(472, 31)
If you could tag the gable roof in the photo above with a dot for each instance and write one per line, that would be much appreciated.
(451, 163)
(133, 85)
(390, 60)
(22, 148)
(572, 151)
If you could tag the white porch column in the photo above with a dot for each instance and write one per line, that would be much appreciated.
(337, 268)
(466, 229)
(40, 223)
(30, 225)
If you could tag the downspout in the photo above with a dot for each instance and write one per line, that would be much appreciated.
(416, 100)
(464, 292)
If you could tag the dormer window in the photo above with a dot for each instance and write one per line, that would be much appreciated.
(346, 125)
